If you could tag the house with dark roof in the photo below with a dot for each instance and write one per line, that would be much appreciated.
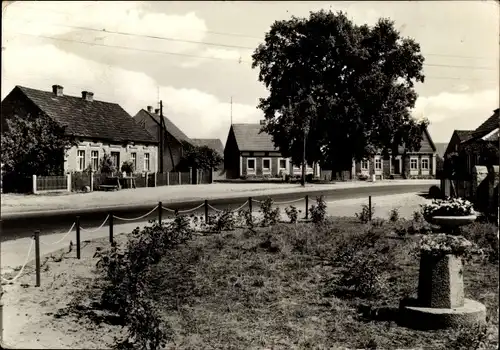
(413, 165)
(485, 135)
(456, 139)
(171, 154)
(249, 152)
(99, 127)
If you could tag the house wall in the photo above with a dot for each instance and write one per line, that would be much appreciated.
(153, 128)
(386, 170)
(71, 159)
(231, 157)
(453, 144)
(275, 169)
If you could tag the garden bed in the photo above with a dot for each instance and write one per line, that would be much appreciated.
(275, 287)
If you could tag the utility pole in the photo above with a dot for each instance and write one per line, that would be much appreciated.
(231, 110)
(161, 137)
(303, 181)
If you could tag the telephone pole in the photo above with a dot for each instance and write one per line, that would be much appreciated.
(231, 110)
(161, 137)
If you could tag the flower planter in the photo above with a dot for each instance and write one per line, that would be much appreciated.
(453, 221)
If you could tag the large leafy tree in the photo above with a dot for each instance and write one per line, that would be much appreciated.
(349, 88)
(34, 146)
(199, 157)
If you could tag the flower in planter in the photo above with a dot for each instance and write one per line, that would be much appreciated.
(442, 244)
(448, 207)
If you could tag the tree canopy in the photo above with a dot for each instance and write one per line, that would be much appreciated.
(350, 86)
(34, 146)
(199, 157)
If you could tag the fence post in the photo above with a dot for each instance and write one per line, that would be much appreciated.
(37, 257)
(160, 210)
(168, 178)
(91, 180)
(111, 227)
(180, 178)
(206, 211)
(77, 237)
(34, 184)
(370, 208)
(156, 179)
(146, 178)
(307, 206)
(68, 182)
(190, 175)
(250, 208)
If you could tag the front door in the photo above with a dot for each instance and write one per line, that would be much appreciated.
(396, 166)
(115, 157)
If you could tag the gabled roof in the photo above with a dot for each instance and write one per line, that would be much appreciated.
(464, 135)
(488, 126)
(214, 144)
(89, 119)
(172, 129)
(248, 138)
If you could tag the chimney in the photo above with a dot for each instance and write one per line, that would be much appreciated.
(150, 109)
(88, 96)
(263, 122)
(157, 110)
(57, 90)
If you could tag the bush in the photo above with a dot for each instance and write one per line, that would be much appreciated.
(318, 211)
(485, 235)
(394, 215)
(475, 337)
(126, 268)
(245, 218)
(223, 221)
(270, 216)
(292, 213)
(366, 214)
(435, 192)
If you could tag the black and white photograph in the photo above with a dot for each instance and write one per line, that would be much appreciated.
(261, 175)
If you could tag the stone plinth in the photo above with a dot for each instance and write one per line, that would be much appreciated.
(440, 283)
(441, 302)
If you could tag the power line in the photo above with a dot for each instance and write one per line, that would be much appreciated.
(216, 58)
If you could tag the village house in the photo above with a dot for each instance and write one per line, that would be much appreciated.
(173, 150)
(456, 139)
(251, 153)
(411, 165)
(99, 127)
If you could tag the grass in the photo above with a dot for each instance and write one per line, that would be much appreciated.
(299, 286)
(272, 288)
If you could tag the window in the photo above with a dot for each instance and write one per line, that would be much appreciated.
(146, 162)
(94, 160)
(80, 158)
(364, 165)
(250, 165)
(115, 158)
(133, 158)
(378, 164)
(413, 164)
(266, 165)
(282, 163)
(425, 164)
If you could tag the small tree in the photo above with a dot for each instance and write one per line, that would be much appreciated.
(128, 167)
(200, 157)
(34, 145)
(106, 165)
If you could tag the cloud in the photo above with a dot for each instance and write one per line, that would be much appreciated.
(446, 105)
(197, 113)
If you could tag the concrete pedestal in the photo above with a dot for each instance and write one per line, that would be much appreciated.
(441, 302)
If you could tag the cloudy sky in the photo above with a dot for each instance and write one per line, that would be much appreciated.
(196, 55)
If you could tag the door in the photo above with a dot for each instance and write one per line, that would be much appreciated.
(396, 166)
(115, 158)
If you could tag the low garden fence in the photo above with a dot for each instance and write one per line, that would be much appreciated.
(159, 209)
(82, 181)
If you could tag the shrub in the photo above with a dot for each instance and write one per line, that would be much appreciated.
(365, 215)
(126, 268)
(435, 192)
(394, 215)
(475, 337)
(318, 211)
(485, 235)
(223, 221)
(270, 216)
(292, 213)
(245, 218)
